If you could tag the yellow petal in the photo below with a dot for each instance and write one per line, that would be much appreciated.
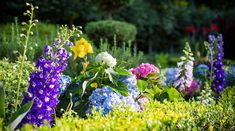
(94, 85)
(88, 47)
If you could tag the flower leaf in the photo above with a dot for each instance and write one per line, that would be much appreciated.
(84, 84)
(120, 88)
(123, 72)
(142, 85)
(19, 115)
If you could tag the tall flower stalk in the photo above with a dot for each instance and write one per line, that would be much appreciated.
(185, 73)
(25, 36)
(45, 82)
(215, 55)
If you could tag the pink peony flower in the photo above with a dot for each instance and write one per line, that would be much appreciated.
(144, 69)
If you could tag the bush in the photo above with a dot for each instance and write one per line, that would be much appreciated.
(107, 29)
(228, 96)
(156, 116)
(9, 76)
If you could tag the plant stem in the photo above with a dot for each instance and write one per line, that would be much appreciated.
(23, 58)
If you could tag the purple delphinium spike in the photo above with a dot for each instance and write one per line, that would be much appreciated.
(218, 71)
(44, 86)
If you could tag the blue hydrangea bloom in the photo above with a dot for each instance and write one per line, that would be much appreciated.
(170, 75)
(64, 82)
(230, 76)
(202, 70)
(106, 98)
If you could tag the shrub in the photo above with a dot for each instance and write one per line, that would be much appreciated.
(9, 76)
(156, 116)
(228, 96)
(107, 29)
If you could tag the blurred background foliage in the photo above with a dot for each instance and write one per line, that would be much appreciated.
(162, 26)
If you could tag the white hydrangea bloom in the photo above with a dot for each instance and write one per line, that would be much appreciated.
(106, 58)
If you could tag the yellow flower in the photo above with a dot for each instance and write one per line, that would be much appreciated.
(84, 65)
(82, 48)
(94, 85)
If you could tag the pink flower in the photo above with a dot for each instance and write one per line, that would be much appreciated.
(191, 91)
(141, 101)
(144, 69)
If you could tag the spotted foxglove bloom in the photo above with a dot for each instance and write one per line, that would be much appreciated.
(216, 45)
(44, 85)
(185, 67)
(106, 59)
(144, 69)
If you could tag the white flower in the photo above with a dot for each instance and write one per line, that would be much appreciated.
(106, 58)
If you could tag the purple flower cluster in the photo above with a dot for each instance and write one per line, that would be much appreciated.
(216, 44)
(44, 85)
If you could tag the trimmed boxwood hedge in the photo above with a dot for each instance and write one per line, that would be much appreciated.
(107, 29)
(156, 116)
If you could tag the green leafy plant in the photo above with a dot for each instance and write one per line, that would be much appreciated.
(9, 75)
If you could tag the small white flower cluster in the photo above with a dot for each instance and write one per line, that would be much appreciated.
(106, 59)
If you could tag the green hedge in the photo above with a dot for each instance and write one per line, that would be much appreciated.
(107, 29)
(156, 116)
(9, 76)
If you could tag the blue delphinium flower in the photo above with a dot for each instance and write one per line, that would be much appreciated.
(44, 86)
(106, 98)
(216, 45)
(64, 82)
(170, 75)
(230, 76)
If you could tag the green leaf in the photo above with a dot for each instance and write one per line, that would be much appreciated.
(163, 96)
(2, 101)
(153, 75)
(85, 83)
(123, 72)
(19, 115)
(174, 94)
(121, 88)
(142, 85)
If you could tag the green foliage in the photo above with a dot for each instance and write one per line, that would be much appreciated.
(156, 116)
(10, 40)
(8, 75)
(107, 29)
(129, 57)
(228, 96)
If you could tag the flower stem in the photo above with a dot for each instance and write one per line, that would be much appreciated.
(22, 60)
